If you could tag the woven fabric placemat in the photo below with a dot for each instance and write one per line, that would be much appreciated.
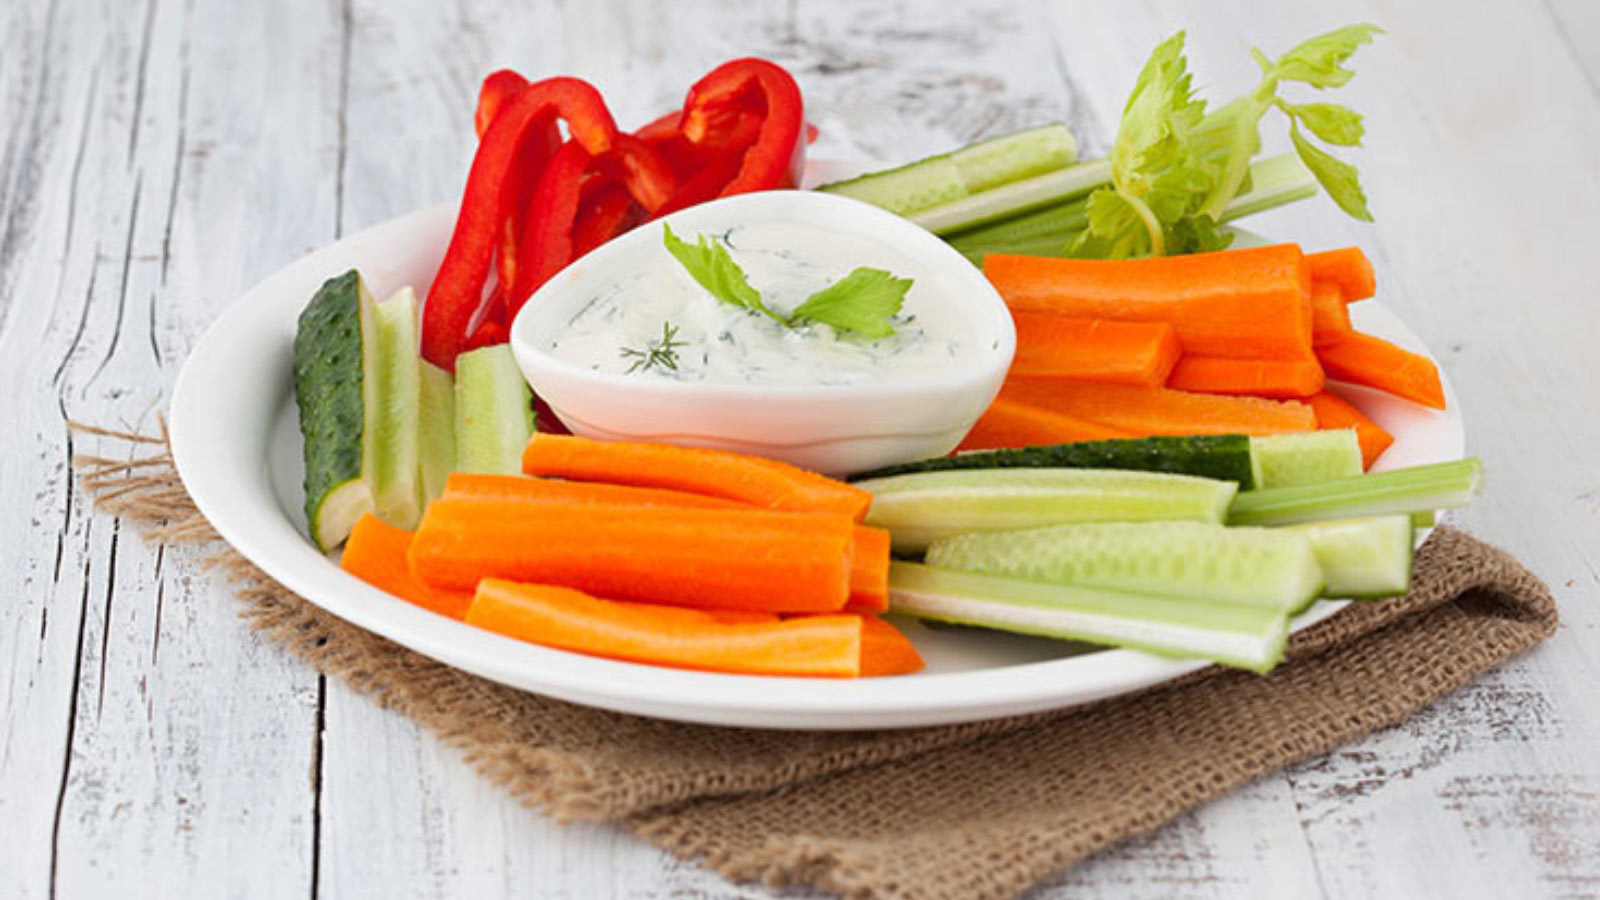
(982, 810)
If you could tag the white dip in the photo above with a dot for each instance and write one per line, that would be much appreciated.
(720, 343)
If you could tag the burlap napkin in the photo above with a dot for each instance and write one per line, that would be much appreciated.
(969, 811)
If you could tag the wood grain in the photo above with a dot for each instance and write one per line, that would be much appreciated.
(161, 156)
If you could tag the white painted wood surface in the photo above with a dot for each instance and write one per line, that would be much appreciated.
(157, 157)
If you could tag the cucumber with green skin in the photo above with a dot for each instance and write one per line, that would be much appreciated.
(328, 383)
(1362, 559)
(438, 428)
(493, 412)
(1225, 457)
(1305, 457)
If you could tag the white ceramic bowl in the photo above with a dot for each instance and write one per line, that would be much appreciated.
(833, 429)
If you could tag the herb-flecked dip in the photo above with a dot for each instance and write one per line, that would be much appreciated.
(657, 321)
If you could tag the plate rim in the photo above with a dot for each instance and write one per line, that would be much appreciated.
(202, 435)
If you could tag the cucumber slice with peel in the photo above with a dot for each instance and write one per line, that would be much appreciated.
(1305, 457)
(1222, 456)
(921, 508)
(1362, 559)
(494, 412)
(1249, 637)
(1270, 568)
(329, 380)
(390, 400)
(1443, 485)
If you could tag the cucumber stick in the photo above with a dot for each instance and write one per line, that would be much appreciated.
(1244, 636)
(1269, 568)
(1362, 559)
(1006, 200)
(438, 428)
(936, 180)
(921, 508)
(1227, 457)
(356, 386)
(1305, 457)
(493, 412)
(1436, 486)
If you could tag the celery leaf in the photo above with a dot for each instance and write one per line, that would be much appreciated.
(708, 262)
(1319, 61)
(1337, 178)
(863, 301)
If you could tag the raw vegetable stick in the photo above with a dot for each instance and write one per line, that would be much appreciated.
(1244, 303)
(376, 554)
(1142, 411)
(734, 476)
(1374, 362)
(1281, 378)
(748, 559)
(869, 558)
(1349, 268)
(1334, 411)
(1329, 317)
(1094, 349)
(1007, 423)
(885, 650)
(572, 620)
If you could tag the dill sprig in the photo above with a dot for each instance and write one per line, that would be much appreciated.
(663, 353)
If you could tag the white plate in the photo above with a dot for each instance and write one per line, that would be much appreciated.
(237, 447)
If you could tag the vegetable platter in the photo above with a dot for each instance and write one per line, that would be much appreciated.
(1150, 457)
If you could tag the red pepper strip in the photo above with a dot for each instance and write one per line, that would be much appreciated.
(488, 334)
(457, 289)
(778, 155)
(552, 210)
(532, 157)
(811, 134)
(602, 215)
(707, 184)
(646, 174)
(497, 89)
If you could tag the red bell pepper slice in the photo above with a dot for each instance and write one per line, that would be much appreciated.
(497, 88)
(490, 197)
(646, 174)
(552, 210)
(712, 110)
(605, 210)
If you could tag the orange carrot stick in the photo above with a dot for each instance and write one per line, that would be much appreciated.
(1282, 378)
(1244, 303)
(733, 476)
(1349, 268)
(869, 570)
(684, 638)
(1330, 319)
(748, 559)
(869, 559)
(1094, 349)
(376, 553)
(1144, 411)
(1334, 411)
(1374, 362)
(1007, 423)
(885, 650)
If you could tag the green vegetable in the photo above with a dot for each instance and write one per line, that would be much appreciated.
(1007, 200)
(494, 412)
(437, 428)
(329, 377)
(663, 353)
(1205, 562)
(921, 508)
(1175, 168)
(1363, 559)
(1245, 636)
(1305, 457)
(1222, 456)
(1435, 486)
(938, 180)
(863, 302)
(391, 391)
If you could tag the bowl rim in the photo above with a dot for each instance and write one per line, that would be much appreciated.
(874, 222)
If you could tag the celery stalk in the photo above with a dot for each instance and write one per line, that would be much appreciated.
(1012, 198)
(1415, 489)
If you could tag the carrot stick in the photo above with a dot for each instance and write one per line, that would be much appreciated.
(1142, 411)
(869, 558)
(1329, 317)
(376, 553)
(869, 571)
(1349, 268)
(1334, 411)
(885, 650)
(1374, 362)
(1094, 349)
(717, 473)
(1283, 378)
(1242, 303)
(748, 559)
(1007, 423)
(692, 639)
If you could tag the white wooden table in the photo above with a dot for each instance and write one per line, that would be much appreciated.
(159, 156)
